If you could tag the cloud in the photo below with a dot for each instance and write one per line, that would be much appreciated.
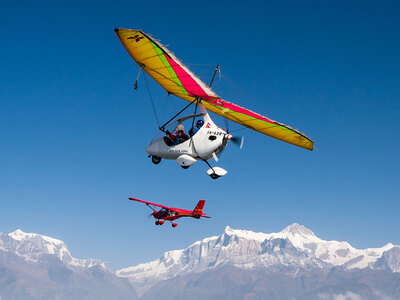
(347, 296)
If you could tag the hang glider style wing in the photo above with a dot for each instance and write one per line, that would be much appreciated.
(162, 65)
(149, 203)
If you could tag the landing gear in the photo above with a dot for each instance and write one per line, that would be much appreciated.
(159, 222)
(214, 176)
(156, 160)
(174, 224)
(215, 172)
(185, 167)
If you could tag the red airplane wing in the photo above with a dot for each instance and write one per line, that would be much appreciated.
(146, 202)
(177, 210)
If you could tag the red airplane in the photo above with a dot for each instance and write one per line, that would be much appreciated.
(172, 213)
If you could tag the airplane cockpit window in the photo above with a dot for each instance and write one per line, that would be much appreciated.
(163, 212)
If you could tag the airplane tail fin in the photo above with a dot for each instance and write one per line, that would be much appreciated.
(198, 210)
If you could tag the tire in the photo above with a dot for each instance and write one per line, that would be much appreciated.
(185, 167)
(156, 160)
(214, 176)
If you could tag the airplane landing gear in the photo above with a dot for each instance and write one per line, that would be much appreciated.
(156, 160)
(214, 176)
(174, 224)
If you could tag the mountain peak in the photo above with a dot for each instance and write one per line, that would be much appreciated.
(297, 229)
(17, 234)
(228, 229)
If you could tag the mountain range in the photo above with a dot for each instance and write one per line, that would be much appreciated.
(238, 264)
(34, 266)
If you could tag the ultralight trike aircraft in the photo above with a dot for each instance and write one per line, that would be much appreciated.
(162, 65)
(172, 213)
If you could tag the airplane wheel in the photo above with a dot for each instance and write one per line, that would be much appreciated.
(185, 167)
(156, 160)
(174, 224)
(214, 176)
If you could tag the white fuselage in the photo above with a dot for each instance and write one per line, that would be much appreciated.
(209, 139)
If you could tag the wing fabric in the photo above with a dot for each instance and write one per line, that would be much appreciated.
(259, 123)
(162, 65)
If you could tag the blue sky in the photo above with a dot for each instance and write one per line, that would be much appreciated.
(73, 131)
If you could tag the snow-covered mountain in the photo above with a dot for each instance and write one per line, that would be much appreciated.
(34, 266)
(294, 248)
(238, 264)
(32, 246)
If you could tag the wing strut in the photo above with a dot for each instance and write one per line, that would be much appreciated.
(137, 78)
(215, 72)
(150, 207)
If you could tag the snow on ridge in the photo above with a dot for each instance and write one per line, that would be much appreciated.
(19, 235)
(32, 246)
(295, 246)
(247, 234)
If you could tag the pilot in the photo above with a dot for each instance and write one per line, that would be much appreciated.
(194, 130)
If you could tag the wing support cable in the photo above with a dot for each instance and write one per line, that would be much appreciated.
(151, 100)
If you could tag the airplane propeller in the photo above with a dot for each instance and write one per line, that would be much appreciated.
(237, 140)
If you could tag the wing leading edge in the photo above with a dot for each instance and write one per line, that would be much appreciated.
(149, 203)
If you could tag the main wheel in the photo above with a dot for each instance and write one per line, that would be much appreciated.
(185, 167)
(156, 160)
(214, 176)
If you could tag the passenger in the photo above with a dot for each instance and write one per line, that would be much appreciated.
(194, 130)
(179, 137)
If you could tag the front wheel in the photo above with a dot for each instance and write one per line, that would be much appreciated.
(156, 160)
(185, 167)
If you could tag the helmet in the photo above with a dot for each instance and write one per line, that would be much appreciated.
(200, 123)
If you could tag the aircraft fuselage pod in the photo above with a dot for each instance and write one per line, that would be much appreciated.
(207, 143)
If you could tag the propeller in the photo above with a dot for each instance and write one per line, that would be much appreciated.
(237, 140)
(152, 213)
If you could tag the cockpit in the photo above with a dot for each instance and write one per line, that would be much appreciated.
(178, 135)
